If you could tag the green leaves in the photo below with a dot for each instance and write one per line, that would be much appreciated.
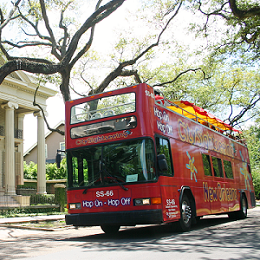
(52, 172)
(30, 170)
(252, 136)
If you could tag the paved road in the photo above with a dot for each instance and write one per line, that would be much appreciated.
(214, 238)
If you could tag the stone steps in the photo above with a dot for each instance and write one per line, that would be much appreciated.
(8, 201)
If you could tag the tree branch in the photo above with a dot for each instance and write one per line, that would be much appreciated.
(19, 45)
(95, 18)
(90, 41)
(244, 110)
(243, 14)
(118, 71)
(48, 27)
(35, 27)
(128, 73)
(29, 65)
(219, 12)
(178, 76)
(43, 114)
(9, 17)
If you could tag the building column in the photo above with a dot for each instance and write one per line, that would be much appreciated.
(20, 173)
(41, 160)
(9, 148)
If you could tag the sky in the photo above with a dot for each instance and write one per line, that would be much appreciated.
(55, 105)
(55, 114)
(104, 39)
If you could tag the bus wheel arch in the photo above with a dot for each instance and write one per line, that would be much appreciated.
(242, 213)
(187, 209)
(244, 205)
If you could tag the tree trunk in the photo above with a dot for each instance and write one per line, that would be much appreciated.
(64, 86)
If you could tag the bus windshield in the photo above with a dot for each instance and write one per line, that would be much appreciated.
(103, 107)
(111, 164)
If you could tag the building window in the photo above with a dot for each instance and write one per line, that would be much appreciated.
(62, 148)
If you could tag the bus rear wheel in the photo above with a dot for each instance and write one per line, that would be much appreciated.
(185, 214)
(242, 213)
(110, 229)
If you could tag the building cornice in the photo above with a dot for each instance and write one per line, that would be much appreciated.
(29, 87)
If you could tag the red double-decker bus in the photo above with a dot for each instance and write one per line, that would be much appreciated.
(134, 157)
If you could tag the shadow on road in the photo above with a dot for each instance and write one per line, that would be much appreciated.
(210, 236)
(140, 233)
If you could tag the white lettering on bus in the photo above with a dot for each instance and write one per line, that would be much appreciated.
(98, 203)
(125, 201)
(110, 202)
(87, 204)
(163, 116)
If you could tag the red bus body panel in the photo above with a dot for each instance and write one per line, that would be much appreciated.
(188, 140)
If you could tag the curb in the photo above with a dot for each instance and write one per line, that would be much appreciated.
(31, 219)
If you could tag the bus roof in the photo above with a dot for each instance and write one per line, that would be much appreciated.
(198, 114)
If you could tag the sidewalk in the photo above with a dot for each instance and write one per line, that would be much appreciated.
(31, 219)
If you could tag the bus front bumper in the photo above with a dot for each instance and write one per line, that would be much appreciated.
(125, 218)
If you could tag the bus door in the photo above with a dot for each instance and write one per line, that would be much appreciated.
(169, 193)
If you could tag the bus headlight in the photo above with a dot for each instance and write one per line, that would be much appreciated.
(140, 202)
(74, 206)
(147, 201)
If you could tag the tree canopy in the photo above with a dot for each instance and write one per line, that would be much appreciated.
(63, 46)
(240, 34)
(53, 37)
(37, 30)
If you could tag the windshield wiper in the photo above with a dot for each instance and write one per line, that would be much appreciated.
(86, 189)
(104, 170)
(115, 179)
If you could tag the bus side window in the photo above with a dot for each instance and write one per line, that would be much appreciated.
(163, 147)
(206, 164)
(217, 167)
(228, 169)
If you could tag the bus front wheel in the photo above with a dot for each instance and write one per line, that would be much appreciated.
(110, 229)
(185, 214)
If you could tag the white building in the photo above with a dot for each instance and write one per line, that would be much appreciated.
(16, 100)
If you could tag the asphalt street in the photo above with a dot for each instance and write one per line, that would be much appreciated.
(215, 237)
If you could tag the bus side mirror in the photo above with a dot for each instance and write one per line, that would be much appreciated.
(58, 159)
(162, 163)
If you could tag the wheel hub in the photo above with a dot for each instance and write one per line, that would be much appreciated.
(186, 212)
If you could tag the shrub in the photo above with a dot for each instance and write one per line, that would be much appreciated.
(55, 173)
(256, 182)
(30, 170)
(52, 171)
(42, 199)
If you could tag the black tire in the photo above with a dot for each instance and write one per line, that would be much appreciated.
(185, 214)
(110, 229)
(242, 213)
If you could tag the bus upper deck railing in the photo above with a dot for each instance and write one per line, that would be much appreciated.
(229, 133)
